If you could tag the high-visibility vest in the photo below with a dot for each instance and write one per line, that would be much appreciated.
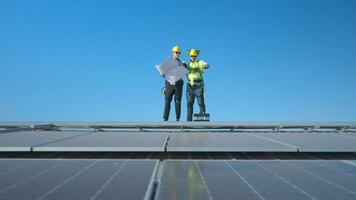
(193, 74)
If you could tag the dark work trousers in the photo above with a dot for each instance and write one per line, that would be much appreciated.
(171, 90)
(196, 91)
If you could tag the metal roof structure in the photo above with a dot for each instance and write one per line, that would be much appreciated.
(275, 126)
(182, 160)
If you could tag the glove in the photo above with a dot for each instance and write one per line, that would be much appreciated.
(163, 75)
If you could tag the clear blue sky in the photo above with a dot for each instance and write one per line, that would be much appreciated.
(276, 60)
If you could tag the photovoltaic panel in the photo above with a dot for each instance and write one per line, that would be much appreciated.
(251, 179)
(224, 142)
(315, 142)
(76, 179)
(110, 142)
(25, 140)
(348, 134)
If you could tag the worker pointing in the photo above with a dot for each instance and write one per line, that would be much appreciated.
(195, 86)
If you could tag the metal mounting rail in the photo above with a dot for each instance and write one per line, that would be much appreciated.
(199, 126)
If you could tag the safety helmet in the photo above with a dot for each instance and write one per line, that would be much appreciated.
(176, 49)
(193, 52)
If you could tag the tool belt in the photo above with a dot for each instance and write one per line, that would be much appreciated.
(199, 82)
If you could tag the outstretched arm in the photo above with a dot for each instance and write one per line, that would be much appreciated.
(203, 65)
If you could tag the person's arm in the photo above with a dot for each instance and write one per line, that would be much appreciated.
(182, 63)
(203, 65)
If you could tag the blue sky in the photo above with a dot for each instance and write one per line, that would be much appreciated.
(276, 60)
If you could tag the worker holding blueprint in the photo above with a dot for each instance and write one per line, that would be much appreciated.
(173, 70)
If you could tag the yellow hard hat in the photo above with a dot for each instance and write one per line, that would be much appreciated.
(193, 52)
(176, 48)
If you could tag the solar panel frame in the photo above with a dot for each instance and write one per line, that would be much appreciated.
(179, 125)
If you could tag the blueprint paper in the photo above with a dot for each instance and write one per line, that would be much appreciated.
(172, 70)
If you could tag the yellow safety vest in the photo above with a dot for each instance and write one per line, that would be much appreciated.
(193, 74)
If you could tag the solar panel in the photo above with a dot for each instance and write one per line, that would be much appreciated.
(224, 142)
(76, 179)
(315, 142)
(251, 179)
(110, 142)
(348, 134)
(25, 140)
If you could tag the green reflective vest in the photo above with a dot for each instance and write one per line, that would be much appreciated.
(196, 70)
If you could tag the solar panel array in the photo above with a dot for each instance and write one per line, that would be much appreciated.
(290, 179)
(76, 179)
(109, 142)
(110, 178)
(180, 179)
(263, 142)
(25, 140)
(225, 142)
(316, 142)
(61, 141)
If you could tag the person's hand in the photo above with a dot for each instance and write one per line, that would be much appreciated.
(163, 75)
(182, 64)
(197, 69)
